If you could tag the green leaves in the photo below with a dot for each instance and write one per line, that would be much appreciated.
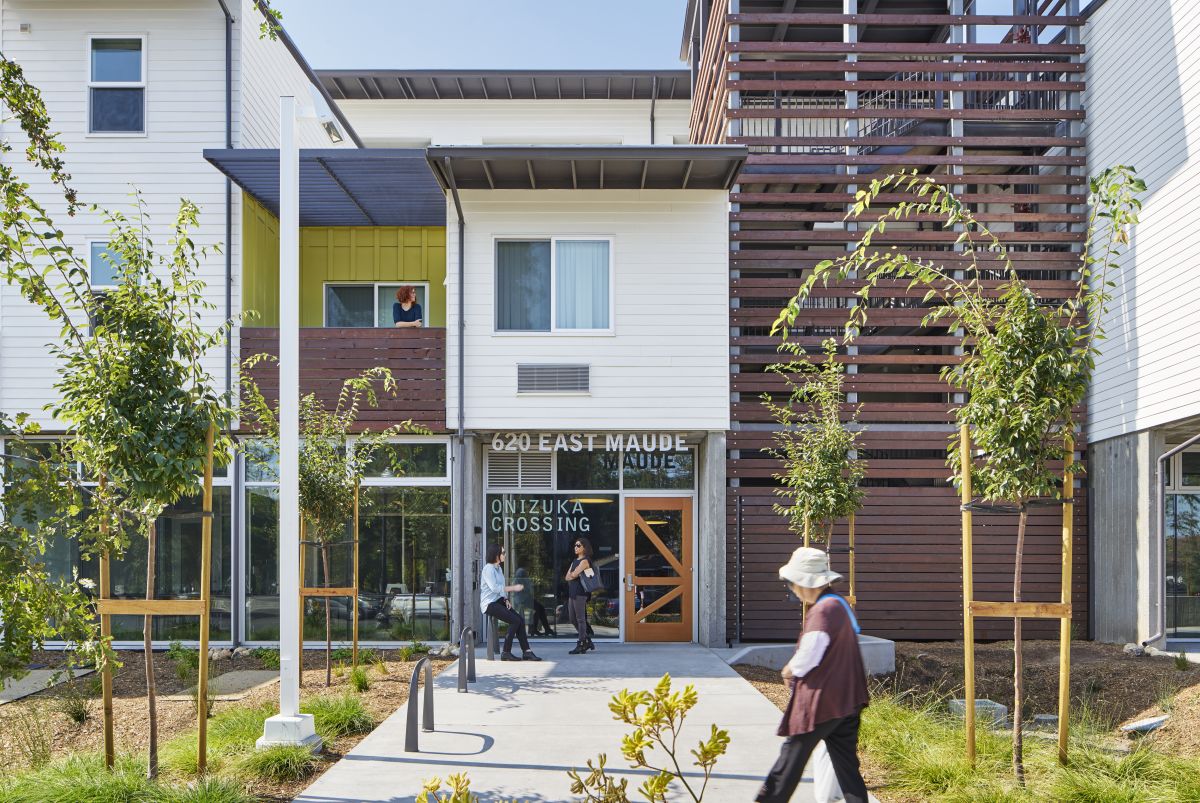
(821, 476)
(657, 716)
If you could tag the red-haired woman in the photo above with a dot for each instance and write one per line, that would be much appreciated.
(406, 312)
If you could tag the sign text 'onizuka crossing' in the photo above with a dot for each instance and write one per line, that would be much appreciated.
(588, 442)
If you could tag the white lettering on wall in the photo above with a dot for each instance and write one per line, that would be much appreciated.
(586, 441)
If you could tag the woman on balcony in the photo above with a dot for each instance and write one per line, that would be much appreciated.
(406, 312)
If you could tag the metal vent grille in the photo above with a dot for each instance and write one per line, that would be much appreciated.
(553, 378)
(526, 470)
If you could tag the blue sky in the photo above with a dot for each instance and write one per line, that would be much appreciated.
(483, 34)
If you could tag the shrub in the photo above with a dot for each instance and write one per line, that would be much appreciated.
(1181, 662)
(281, 764)
(31, 735)
(406, 653)
(74, 702)
(187, 662)
(359, 680)
(458, 790)
(381, 667)
(80, 777)
(268, 657)
(339, 669)
(335, 716)
(342, 654)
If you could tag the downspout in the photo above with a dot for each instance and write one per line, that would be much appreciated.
(1160, 503)
(460, 433)
(234, 634)
(653, 98)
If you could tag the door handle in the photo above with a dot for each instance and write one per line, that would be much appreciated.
(629, 582)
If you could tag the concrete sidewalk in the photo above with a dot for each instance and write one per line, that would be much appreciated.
(523, 725)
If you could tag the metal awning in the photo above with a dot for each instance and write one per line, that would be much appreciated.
(343, 186)
(588, 167)
(507, 84)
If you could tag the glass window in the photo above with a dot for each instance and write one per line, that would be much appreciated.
(350, 305)
(394, 460)
(1189, 475)
(104, 266)
(262, 461)
(1182, 575)
(668, 470)
(581, 278)
(117, 90)
(177, 572)
(523, 286)
(538, 532)
(386, 296)
(262, 564)
(578, 284)
(581, 471)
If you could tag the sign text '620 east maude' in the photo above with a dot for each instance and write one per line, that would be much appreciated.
(589, 441)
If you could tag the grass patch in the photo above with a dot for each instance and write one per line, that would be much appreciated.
(359, 680)
(335, 716)
(268, 657)
(230, 733)
(922, 751)
(83, 778)
(281, 764)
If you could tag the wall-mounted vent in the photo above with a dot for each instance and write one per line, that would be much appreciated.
(553, 378)
(526, 470)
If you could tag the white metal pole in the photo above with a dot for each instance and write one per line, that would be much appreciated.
(289, 409)
(289, 727)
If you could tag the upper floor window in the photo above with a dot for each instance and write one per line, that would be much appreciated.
(104, 266)
(554, 285)
(365, 305)
(117, 85)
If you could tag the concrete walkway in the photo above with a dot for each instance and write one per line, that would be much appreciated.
(523, 725)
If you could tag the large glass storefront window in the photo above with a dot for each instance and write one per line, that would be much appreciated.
(1183, 565)
(404, 554)
(539, 532)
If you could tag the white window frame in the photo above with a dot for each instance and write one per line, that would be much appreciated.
(90, 84)
(1177, 473)
(104, 244)
(375, 302)
(555, 331)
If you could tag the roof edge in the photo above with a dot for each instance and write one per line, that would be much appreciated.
(308, 71)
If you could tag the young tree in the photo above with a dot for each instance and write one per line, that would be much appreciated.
(1026, 361)
(333, 459)
(821, 473)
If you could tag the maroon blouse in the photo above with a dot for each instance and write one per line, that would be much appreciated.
(837, 686)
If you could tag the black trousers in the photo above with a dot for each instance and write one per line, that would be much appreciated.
(516, 624)
(841, 740)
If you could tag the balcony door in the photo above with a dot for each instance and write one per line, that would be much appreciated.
(658, 580)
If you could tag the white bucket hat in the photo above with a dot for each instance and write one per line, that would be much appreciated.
(808, 568)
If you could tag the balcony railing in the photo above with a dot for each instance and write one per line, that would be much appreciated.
(416, 358)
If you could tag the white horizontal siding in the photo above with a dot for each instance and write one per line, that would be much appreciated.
(271, 71)
(1143, 106)
(412, 123)
(666, 365)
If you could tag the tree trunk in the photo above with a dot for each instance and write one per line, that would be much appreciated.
(1018, 653)
(328, 627)
(147, 644)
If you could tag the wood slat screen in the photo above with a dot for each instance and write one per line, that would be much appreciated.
(826, 102)
(416, 358)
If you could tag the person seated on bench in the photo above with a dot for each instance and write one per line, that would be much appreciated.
(493, 601)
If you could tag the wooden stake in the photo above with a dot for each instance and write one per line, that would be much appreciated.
(354, 599)
(106, 676)
(1064, 633)
(968, 553)
(853, 596)
(807, 537)
(206, 523)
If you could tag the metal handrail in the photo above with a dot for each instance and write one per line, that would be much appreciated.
(466, 658)
(410, 732)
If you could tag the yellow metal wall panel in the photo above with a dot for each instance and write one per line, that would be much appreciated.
(339, 254)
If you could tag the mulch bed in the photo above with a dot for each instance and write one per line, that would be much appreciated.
(130, 720)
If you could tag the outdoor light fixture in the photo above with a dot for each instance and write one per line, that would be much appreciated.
(332, 131)
(591, 500)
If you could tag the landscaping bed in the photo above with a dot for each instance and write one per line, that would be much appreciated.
(344, 715)
(912, 750)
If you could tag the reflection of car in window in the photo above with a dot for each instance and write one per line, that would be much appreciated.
(1176, 586)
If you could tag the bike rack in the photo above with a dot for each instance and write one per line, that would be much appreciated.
(466, 658)
(410, 733)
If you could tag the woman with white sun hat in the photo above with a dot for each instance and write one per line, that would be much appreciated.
(829, 685)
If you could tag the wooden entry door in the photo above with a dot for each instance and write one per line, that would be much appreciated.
(658, 569)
